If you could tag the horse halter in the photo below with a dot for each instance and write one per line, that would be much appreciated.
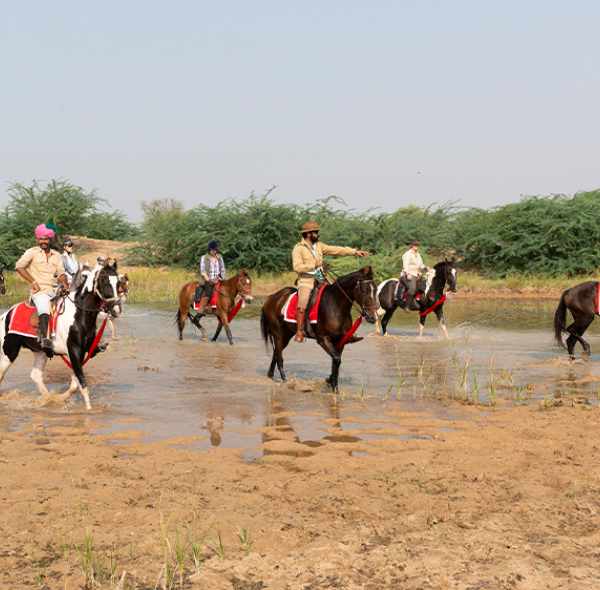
(109, 302)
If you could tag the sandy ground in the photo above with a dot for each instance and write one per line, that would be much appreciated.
(508, 499)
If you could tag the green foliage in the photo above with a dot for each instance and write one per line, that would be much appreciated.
(72, 210)
(259, 234)
(539, 235)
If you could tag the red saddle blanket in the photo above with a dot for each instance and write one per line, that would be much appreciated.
(213, 300)
(291, 306)
(20, 320)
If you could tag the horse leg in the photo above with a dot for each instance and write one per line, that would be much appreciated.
(11, 346)
(74, 356)
(387, 317)
(576, 331)
(5, 364)
(336, 361)
(217, 332)
(113, 334)
(196, 321)
(442, 321)
(37, 374)
(72, 389)
(271, 372)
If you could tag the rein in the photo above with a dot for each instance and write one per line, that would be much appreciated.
(360, 310)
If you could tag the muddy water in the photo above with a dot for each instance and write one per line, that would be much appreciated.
(151, 386)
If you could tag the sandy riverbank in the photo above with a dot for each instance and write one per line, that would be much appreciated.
(508, 499)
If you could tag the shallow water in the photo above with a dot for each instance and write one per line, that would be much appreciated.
(150, 382)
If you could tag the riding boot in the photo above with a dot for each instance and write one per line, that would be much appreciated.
(197, 293)
(45, 340)
(300, 337)
(400, 290)
(408, 303)
(202, 307)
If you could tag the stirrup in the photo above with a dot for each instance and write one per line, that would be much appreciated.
(300, 337)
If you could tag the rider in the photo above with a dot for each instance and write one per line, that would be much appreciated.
(212, 270)
(412, 265)
(307, 259)
(69, 260)
(41, 266)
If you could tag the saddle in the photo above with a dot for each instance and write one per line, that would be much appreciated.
(401, 289)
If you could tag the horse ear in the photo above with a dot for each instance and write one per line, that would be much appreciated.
(241, 273)
(247, 272)
(76, 281)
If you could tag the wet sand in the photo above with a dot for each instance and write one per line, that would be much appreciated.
(399, 482)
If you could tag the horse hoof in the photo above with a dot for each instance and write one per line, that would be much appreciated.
(586, 356)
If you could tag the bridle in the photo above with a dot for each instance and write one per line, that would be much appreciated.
(363, 309)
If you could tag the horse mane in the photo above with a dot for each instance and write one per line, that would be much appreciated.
(364, 273)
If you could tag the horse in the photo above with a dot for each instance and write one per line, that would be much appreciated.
(581, 301)
(2, 285)
(333, 321)
(228, 290)
(123, 291)
(436, 278)
(75, 330)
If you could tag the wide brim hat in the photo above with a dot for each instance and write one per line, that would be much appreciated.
(413, 242)
(310, 226)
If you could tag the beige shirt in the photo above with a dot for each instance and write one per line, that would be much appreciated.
(412, 263)
(46, 270)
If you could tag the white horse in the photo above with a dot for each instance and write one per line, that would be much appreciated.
(89, 293)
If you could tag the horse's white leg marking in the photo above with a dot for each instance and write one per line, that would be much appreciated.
(4, 366)
(63, 397)
(421, 328)
(113, 334)
(37, 373)
(86, 397)
(444, 329)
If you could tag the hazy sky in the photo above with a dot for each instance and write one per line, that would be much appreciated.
(383, 103)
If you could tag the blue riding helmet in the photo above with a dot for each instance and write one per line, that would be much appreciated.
(212, 245)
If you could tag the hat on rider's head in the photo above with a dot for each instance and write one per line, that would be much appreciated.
(100, 259)
(310, 226)
(41, 231)
(67, 242)
(212, 245)
(413, 242)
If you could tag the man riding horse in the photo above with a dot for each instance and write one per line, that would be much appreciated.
(412, 266)
(212, 270)
(41, 266)
(307, 259)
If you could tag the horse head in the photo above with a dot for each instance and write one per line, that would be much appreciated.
(245, 286)
(2, 285)
(365, 294)
(106, 287)
(450, 274)
(123, 287)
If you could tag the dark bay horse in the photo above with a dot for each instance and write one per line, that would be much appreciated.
(2, 285)
(240, 284)
(581, 301)
(89, 293)
(333, 322)
(441, 274)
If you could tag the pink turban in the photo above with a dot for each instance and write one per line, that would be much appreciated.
(41, 231)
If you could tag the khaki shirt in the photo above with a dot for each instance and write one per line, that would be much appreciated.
(305, 261)
(412, 263)
(45, 270)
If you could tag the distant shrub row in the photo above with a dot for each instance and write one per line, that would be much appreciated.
(551, 236)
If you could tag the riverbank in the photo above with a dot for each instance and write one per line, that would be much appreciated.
(505, 499)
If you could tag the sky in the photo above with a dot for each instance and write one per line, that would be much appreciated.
(383, 103)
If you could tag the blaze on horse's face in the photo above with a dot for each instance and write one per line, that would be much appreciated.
(365, 294)
(451, 275)
(245, 288)
(107, 286)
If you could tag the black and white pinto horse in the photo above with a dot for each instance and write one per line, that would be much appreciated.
(89, 293)
(123, 290)
(436, 279)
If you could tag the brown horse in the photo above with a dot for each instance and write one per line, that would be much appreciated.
(581, 302)
(333, 321)
(240, 284)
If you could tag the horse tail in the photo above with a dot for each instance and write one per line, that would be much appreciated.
(560, 320)
(265, 330)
